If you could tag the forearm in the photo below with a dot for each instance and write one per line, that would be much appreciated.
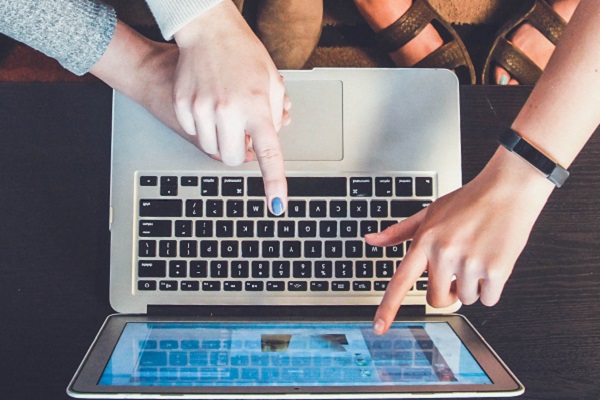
(74, 32)
(564, 108)
(172, 15)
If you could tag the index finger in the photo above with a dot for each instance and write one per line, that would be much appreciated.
(265, 143)
(409, 270)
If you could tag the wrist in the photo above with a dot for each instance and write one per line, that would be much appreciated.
(205, 27)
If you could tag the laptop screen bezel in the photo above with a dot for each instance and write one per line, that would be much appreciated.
(85, 381)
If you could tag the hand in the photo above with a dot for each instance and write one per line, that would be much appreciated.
(229, 96)
(475, 234)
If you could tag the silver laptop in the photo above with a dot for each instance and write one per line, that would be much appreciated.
(221, 299)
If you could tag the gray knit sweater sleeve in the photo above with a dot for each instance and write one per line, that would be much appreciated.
(74, 32)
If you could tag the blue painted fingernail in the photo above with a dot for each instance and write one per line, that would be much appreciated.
(277, 206)
(503, 80)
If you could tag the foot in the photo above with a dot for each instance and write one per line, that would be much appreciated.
(290, 30)
(535, 45)
(380, 14)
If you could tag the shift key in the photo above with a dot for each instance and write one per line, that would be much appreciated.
(161, 208)
(155, 228)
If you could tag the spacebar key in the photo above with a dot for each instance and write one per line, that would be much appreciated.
(305, 187)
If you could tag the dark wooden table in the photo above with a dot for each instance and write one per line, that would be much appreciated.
(54, 247)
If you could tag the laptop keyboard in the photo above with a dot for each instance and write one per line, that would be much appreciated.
(214, 233)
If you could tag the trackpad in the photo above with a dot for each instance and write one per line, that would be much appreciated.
(316, 131)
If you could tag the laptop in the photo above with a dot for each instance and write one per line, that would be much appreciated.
(217, 298)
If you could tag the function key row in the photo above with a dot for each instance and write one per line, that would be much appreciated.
(297, 186)
(259, 286)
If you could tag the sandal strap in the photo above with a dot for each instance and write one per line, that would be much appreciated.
(547, 21)
(516, 63)
(407, 27)
(448, 56)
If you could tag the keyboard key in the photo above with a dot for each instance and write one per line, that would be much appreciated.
(148, 181)
(245, 228)
(291, 249)
(333, 249)
(296, 209)
(209, 186)
(190, 286)
(232, 286)
(307, 229)
(386, 224)
(188, 249)
(275, 286)
(297, 286)
(317, 209)
(367, 227)
(168, 285)
(358, 208)
(225, 228)
(255, 209)
(384, 269)
(364, 269)
(281, 269)
(161, 208)
(250, 248)
(340, 286)
(189, 181)
(383, 187)
(379, 209)
(219, 269)
(404, 187)
(211, 286)
(147, 248)
(304, 187)
(361, 187)
(183, 228)
(155, 228)
(254, 286)
(395, 251)
(235, 208)
(380, 285)
(204, 228)
(302, 269)
(348, 229)
(424, 186)
(208, 248)
(270, 249)
(338, 209)
(421, 285)
(240, 269)
(405, 209)
(343, 269)
(286, 229)
(327, 229)
(319, 286)
(374, 251)
(198, 269)
(152, 269)
(260, 269)
(323, 269)
(146, 285)
(214, 208)
(353, 249)
(167, 248)
(313, 249)
(265, 229)
(233, 186)
(177, 269)
(361, 286)
(193, 208)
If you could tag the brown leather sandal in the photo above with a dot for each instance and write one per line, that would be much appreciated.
(452, 54)
(503, 53)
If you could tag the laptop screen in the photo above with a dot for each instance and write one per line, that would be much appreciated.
(303, 354)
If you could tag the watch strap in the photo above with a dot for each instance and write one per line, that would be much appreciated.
(513, 142)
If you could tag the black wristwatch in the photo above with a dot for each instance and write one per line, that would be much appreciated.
(516, 144)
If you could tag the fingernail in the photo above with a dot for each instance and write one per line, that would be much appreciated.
(378, 326)
(277, 206)
(503, 80)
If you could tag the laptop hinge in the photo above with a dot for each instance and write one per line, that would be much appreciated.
(277, 312)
